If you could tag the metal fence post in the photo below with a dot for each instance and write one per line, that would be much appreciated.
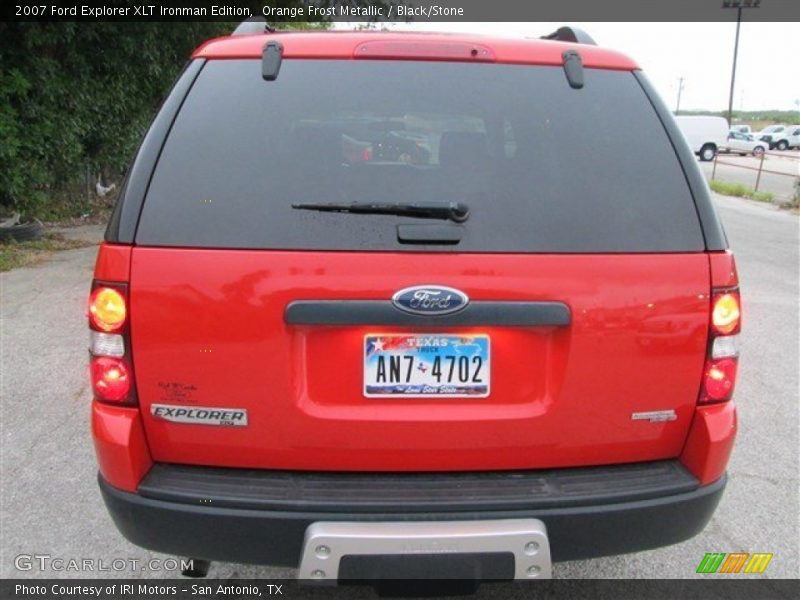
(760, 166)
(714, 168)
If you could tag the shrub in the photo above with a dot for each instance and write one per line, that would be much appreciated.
(80, 95)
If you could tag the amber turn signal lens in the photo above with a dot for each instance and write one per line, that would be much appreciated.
(725, 314)
(107, 309)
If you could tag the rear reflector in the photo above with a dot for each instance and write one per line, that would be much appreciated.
(719, 380)
(106, 344)
(110, 379)
(107, 311)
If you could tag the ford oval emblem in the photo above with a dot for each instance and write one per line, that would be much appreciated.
(430, 300)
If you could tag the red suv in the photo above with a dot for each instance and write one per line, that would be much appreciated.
(381, 304)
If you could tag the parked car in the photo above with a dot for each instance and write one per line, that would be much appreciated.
(704, 134)
(777, 136)
(521, 351)
(792, 138)
(742, 129)
(743, 144)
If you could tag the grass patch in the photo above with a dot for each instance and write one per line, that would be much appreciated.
(762, 196)
(14, 255)
(740, 190)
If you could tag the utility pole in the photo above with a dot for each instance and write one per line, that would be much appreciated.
(680, 89)
(738, 5)
(733, 73)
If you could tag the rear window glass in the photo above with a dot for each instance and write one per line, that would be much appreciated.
(543, 167)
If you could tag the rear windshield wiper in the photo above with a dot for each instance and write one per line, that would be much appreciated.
(454, 211)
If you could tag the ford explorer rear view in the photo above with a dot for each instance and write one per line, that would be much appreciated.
(380, 304)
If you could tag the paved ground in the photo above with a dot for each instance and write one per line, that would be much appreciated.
(50, 503)
(781, 182)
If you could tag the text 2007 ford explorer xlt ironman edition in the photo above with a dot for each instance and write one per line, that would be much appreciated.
(374, 304)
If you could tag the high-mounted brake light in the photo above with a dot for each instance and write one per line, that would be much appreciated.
(107, 309)
(719, 375)
(424, 50)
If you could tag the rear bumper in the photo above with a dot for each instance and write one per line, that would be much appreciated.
(173, 514)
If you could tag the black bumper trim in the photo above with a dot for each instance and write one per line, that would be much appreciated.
(415, 492)
(275, 537)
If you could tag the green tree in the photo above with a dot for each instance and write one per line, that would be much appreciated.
(80, 95)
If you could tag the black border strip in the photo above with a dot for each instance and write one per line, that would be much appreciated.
(383, 312)
(703, 587)
(412, 10)
(416, 492)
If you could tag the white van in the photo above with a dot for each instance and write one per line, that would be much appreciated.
(704, 134)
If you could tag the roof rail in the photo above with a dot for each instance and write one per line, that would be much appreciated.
(252, 26)
(570, 34)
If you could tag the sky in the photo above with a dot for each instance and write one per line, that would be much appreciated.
(767, 74)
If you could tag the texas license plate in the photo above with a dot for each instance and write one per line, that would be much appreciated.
(443, 365)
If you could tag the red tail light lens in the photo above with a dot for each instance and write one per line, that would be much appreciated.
(719, 376)
(725, 313)
(719, 380)
(111, 366)
(107, 309)
(111, 379)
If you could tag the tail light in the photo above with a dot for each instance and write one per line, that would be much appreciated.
(725, 312)
(719, 378)
(111, 370)
(111, 380)
(107, 309)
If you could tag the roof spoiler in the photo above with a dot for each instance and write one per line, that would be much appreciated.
(253, 26)
(570, 34)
